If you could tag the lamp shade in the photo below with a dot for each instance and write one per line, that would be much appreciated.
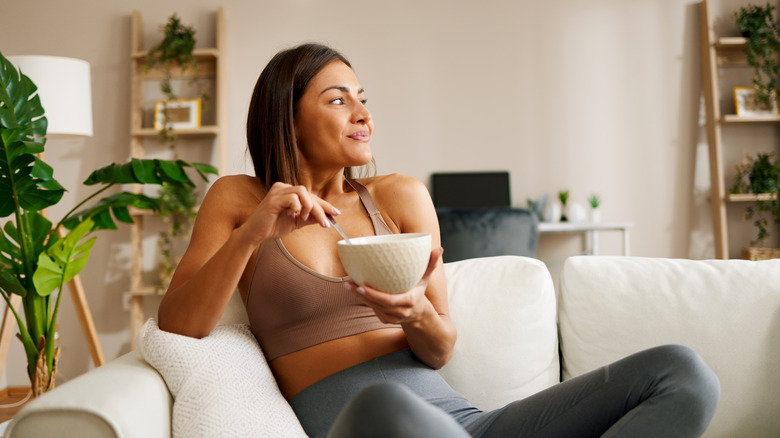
(64, 87)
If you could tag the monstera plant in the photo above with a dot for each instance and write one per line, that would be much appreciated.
(37, 256)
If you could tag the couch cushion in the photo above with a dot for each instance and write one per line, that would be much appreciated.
(221, 384)
(483, 232)
(726, 310)
(504, 310)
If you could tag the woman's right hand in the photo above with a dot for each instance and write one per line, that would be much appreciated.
(284, 209)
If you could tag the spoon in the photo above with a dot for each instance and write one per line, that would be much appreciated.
(338, 228)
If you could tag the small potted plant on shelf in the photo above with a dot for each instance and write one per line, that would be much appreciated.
(595, 214)
(37, 257)
(563, 196)
(178, 203)
(761, 176)
(758, 25)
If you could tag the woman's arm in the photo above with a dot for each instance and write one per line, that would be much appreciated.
(233, 220)
(423, 311)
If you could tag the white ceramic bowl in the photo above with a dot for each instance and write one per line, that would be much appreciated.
(391, 263)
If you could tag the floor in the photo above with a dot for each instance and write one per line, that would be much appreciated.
(11, 401)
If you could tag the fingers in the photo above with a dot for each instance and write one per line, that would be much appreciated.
(389, 308)
(433, 262)
(302, 205)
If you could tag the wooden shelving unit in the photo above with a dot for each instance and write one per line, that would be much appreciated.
(716, 54)
(211, 66)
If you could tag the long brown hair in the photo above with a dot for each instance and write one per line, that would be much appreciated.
(270, 126)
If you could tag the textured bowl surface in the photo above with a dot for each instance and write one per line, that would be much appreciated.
(391, 263)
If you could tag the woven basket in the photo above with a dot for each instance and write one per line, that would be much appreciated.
(760, 253)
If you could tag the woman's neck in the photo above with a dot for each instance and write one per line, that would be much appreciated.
(324, 184)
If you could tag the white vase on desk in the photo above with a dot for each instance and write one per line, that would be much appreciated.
(552, 212)
(577, 212)
(595, 215)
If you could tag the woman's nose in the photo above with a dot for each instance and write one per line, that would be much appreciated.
(361, 114)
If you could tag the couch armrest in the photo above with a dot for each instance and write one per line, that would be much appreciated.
(125, 398)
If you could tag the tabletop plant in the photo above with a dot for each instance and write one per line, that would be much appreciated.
(758, 25)
(594, 201)
(177, 203)
(38, 257)
(563, 196)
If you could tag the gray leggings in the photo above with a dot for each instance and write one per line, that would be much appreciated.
(665, 391)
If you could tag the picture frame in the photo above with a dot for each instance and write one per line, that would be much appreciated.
(746, 105)
(182, 113)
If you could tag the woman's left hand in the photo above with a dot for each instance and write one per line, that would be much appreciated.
(400, 308)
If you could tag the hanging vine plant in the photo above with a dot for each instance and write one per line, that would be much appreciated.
(758, 25)
(177, 203)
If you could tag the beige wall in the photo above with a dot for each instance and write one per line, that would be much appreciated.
(594, 96)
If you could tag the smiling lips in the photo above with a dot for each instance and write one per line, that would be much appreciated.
(360, 136)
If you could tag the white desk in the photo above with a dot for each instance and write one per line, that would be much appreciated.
(590, 230)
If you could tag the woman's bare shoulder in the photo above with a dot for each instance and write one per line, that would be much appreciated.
(233, 195)
(232, 188)
(228, 183)
(402, 199)
(396, 186)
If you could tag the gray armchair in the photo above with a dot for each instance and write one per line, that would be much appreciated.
(483, 232)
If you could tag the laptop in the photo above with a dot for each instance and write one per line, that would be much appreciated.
(471, 190)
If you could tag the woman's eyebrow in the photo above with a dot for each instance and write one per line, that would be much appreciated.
(343, 88)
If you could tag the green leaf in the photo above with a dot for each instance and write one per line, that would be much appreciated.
(173, 171)
(10, 284)
(116, 203)
(144, 171)
(42, 170)
(26, 181)
(63, 260)
(121, 214)
(41, 228)
(203, 169)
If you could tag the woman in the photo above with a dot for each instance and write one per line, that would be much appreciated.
(354, 361)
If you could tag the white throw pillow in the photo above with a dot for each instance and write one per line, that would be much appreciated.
(221, 384)
(505, 312)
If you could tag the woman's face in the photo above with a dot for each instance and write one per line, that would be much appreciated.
(333, 127)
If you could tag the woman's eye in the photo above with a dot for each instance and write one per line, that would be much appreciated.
(364, 101)
(338, 100)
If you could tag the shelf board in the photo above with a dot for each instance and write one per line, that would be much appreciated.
(733, 118)
(139, 212)
(145, 291)
(748, 197)
(731, 43)
(573, 227)
(199, 54)
(206, 66)
(730, 51)
(151, 132)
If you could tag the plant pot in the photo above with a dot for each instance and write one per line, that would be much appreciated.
(760, 253)
(41, 381)
(595, 215)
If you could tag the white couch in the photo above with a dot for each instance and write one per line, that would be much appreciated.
(509, 323)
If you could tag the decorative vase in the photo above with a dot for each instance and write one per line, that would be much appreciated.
(577, 212)
(552, 212)
(595, 215)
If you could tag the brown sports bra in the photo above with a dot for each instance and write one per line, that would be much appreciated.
(292, 307)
